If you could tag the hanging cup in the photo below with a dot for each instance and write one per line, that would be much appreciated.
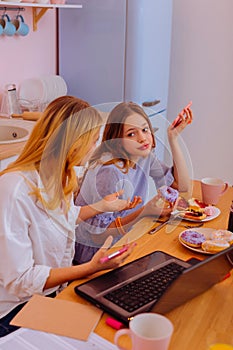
(21, 27)
(1, 29)
(8, 27)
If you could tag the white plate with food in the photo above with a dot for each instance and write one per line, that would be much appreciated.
(206, 240)
(191, 217)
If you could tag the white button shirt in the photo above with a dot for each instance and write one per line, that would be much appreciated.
(32, 240)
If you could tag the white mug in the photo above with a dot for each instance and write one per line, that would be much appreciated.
(148, 331)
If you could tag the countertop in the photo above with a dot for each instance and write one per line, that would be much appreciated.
(12, 149)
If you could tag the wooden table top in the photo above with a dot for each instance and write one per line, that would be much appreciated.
(204, 320)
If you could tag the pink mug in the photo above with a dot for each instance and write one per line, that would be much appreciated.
(148, 331)
(212, 189)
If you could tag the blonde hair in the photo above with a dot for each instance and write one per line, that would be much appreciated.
(59, 141)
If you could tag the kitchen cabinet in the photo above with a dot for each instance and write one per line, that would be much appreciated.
(38, 9)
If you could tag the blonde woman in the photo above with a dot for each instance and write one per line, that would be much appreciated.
(37, 214)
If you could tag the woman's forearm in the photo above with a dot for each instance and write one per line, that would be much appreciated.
(129, 220)
(87, 212)
(111, 203)
(114, 230)
(62, 275)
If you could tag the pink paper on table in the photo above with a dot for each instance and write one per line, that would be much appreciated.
(58, 316)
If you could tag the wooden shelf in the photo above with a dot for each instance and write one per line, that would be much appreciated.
(35, 4)
(38, 9)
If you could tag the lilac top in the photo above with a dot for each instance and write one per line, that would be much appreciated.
(102, 180)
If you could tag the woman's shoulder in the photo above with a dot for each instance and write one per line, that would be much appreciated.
(11, 177)
(13, 180)
(104, 158)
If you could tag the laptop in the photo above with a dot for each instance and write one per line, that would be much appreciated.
(157, 282)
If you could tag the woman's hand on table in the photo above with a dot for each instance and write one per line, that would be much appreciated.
(98, 265)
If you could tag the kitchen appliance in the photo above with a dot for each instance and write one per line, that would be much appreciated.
(119, 50)
(114, 50)
(43, 89)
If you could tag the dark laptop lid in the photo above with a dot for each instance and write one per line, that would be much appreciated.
(193, 281)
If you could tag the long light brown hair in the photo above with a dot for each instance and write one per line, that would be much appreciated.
(113, 134)
(59, 141)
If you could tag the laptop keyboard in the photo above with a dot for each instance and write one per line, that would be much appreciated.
(145, 289)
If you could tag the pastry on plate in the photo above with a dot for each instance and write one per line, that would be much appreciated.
(215, 245)
(167, 197)
(209, 210)
(192, 238)
(223, 234)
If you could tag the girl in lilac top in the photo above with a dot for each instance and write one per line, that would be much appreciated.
(125, 160)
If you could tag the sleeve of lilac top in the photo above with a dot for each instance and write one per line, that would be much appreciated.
(97, 184)
(160, 172)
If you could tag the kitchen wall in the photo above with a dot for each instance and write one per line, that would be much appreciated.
(202, 71)
(30, 56)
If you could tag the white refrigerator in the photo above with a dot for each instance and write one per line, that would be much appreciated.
(115, 50)
(119, 50)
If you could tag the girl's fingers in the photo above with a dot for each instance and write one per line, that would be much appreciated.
(189, 114)
(136, 200)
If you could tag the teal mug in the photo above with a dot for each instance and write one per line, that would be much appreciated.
(21, 27)
(8, 27)
(1, 29)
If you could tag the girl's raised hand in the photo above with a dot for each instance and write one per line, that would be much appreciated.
(182, 120)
